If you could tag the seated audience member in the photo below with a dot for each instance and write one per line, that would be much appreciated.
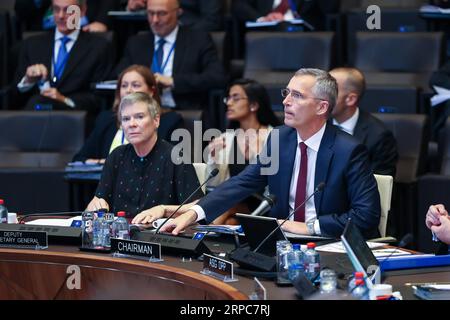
(205, 15)
(362, 125)
(312, 11)
(184, 61)
(142, 174)
(438, 221)
(250, 115)
(107, 134)
(57, 68)
(38, 14)
(307, 151)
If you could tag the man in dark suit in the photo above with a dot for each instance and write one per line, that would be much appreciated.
(57, 68)
(362, 125)
(184, 61)
(312, 11)
(304, 153)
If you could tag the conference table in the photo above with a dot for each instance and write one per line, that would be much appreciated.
(48, 274)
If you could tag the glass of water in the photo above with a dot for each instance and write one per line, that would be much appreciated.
(328, 281)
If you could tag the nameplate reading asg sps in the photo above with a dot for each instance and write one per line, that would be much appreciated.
(24, 239)
(217, 265)
(136, 248)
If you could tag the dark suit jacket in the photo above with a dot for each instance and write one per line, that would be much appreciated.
(88, 62)
(313, 11)
(99, 141)
(381, 143)
(206, 15)
(196, 66)
(342, 163)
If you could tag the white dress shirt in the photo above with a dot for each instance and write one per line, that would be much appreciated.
(349, 124)
(167, 99)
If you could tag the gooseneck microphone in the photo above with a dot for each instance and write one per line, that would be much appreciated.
(266, 205)
(319, 188)
(210, 176)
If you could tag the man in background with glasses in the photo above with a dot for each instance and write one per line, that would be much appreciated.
(184, 61)
(311, 151)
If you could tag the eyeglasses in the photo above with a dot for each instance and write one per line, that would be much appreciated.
(297, 96)
(233, 98)
(160, 14)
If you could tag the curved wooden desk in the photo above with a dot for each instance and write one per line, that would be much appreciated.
(30, 274)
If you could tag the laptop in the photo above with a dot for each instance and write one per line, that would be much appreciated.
(257, 228)
(360, 255)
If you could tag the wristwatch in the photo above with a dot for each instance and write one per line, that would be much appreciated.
(310, 226)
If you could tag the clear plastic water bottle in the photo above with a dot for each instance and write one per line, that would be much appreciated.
(283, 249)
(87, 228)
(98, 239)
(106, 226)
(352, 282)
(120, 227)
(295, 258)
(360, 292)
(311, 262)
(3, 212)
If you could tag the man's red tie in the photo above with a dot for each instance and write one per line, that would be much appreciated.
(283, 7)
(300, 194)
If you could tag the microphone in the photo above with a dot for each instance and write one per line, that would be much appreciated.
(210, 176)
(266, 204)
(254, 260)
(318, 189)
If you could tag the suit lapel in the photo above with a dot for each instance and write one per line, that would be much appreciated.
(47, 52)
(287, 158)
(180, 50)
(324, 157)
(361, 129)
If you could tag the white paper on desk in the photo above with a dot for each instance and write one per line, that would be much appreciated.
(389, 252)
(54, 222)
(337, 247)
(442, 94)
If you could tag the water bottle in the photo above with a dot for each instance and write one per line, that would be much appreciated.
(3, 212)
(283, 249)
(352, 282)
(311, 262)
(295, 258)
(106, 226)
(360, 292)
(87, 229)
(98, 237)
(120, 227)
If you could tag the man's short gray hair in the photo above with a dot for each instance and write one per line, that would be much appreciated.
(136, 97)
(325, 88)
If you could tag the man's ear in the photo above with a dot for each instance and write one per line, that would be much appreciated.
(323, 107)
(351, 99)
(179, 12)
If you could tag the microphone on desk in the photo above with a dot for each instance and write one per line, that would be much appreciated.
(254, 260)
(174, 244)
(210, 176)
(266, 204)
(318, 189)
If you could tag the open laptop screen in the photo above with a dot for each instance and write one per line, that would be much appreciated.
(257, 228)
(359, 253)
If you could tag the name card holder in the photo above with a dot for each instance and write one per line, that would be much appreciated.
(218, 268)
(260, 292)
(24, 240)
(133, 249)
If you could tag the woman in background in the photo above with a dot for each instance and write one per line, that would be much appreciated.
(107, 133)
